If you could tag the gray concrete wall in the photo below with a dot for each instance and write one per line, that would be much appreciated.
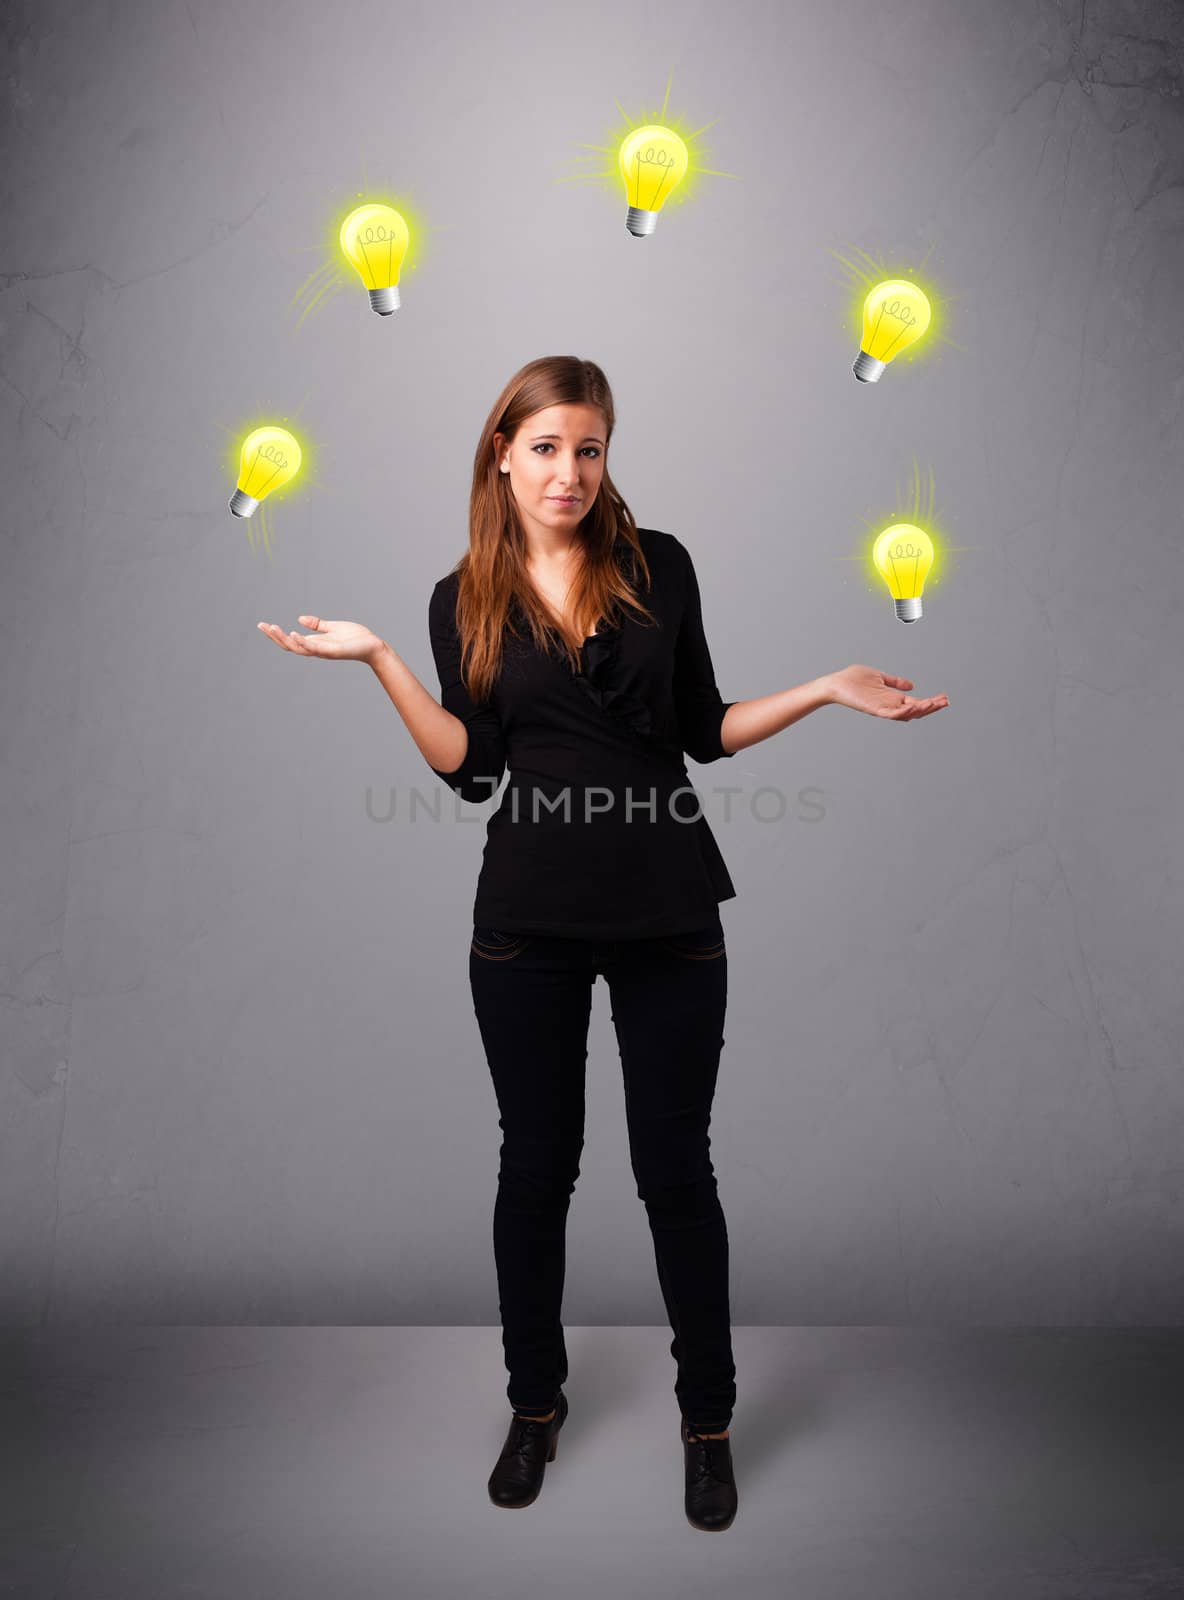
(242, 1080)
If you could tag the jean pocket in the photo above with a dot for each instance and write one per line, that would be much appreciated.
(701, 944)
(494, 945)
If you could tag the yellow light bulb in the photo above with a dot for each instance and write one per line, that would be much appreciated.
(903, 554)
(374, 239)
(653, 162)
(895, 315)
(270, 457)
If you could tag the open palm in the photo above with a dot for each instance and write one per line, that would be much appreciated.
(878, 693)
(333, 641)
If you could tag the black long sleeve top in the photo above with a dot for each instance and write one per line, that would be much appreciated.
(591, 838)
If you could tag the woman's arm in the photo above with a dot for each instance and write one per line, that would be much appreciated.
(441, 738)
(859, 688)
(476, 755)
(749, 721)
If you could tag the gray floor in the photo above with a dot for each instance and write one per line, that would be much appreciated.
(351, 1462)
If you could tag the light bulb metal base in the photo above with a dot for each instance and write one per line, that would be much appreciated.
(384, 301)
(909, 610)
(242, 504)
(866, 368)
(640, 222)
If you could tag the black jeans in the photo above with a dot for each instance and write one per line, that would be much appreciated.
(533, 997)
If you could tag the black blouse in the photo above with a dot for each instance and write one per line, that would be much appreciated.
(563, 855)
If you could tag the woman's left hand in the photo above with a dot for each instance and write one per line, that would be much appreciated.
(866, 689)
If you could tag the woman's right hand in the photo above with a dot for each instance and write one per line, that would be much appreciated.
(334, 641)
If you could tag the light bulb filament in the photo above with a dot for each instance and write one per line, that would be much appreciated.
(910, 554)
(269, 453)
(903, 315)
(376, 236)
(653, 158)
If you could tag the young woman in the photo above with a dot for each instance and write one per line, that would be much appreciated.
(569, 646)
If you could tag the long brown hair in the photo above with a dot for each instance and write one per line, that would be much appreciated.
(492, 572)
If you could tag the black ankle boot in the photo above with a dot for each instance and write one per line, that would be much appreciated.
(711, 1497)
(518, 1476)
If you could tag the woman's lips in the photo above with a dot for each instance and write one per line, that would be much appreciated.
(558, 500)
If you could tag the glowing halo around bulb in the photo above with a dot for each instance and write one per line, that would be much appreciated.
(374, 240)
(895, 315)
(270, 457)
(653, 162)
(903, 555)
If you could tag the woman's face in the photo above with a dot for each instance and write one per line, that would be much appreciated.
(557, 454)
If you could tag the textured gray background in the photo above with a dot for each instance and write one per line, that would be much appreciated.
(242, 1078)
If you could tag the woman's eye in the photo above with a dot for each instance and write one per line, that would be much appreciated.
(544, 446)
